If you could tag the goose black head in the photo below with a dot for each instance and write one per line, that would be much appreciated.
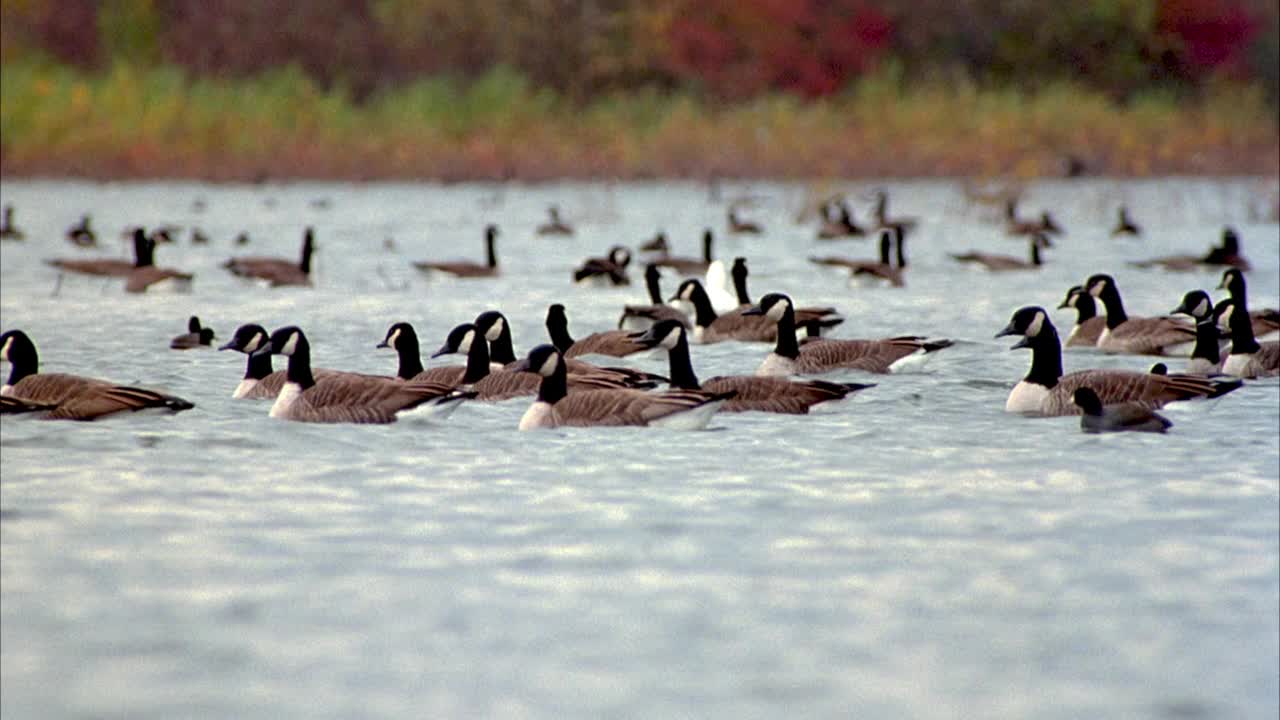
(1232, 281)
(1097, 284)
(285, 341)
(16, 347)
(490, 232)
(652, 273)
(1197, 304)
(398, 333)
(1222, 313)
(664, 333)
(206, 336)
(1029, 322)
(193, 325)
(1073, 295)
(772, 306)
(247, 339)
(556, 316)
(1087, 400)
(1159, 369)
(543, 360)
(1230, 241)
(739, 268)
(458, 341)
(620, 256)
(491, 324)
(689, 290)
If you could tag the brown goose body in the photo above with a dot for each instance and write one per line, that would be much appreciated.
(110, 267)
(1137, 335)
(554, 225)
(1227, 254)
(140, 279)
(840, 224)
(464, 269)
(1006, 263)
(277, 272)
(883, 270)
(686, 265)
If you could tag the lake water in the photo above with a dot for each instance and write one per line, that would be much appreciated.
(912, 552)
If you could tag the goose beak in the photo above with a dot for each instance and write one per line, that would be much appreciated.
(382, 344)
(753, 310)
(1063, 304)
(1181, 309)
(228, 345)
(444, 350)
(1022, 343)
(264, 350)
(647, 338)
(1011, 330)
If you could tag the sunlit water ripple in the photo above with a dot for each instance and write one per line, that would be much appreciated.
(914, 552)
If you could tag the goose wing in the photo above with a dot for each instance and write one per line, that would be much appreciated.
(776, 394)
(869, 355)
(1149, 335)
(625, 407)
(614, 343)
(1147, 390)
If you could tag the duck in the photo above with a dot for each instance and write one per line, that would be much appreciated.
(1047, 392)
(556, 407)
(277, 272)
(690, 266)
(1266, 321)
(110, 267)
(610, 269)
(884, 270)
(641, 317)
(495, 329)
(1089, 324)
(147, 275)
(614, 343)
(1247, 358)
(903, 225)
(261, 381)
(1121, 417)
(196, 336)
(790, 357)
(738, 226)
(1124, 224)
(9, 231)
(349, 398)
(751, 392)
(838, 222)
(554, 225)
(402, 338)
(465, 269)
(82, 233)
(1005, 263)
(815, 321)
(1206, 356)
(1137, 335)
(60, 396)
(1227, 253)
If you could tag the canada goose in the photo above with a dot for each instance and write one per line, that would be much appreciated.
(111, 267)
(1002, 263)
(881, 215)
(72, 397)
(710, 327)
(1139, 335)
(198, 237)
(738, 226)
(9, 231)
(640, 317)
(614, 343)
(658, 244)
(81, 233)
(554, 225)
(195, 336)
(789, 357)
(1089, 324)
(242, 238)
(840, 224)
(164, 234)
(349, 398)
(1206, 357)
(1247, 358)
(1124, 224)
(465, 269)
(689, 266)
(146, 274)
(1228, 253)
(763, 394)
(1266, 321)
(260, 381)
(611, 268)
(814, 320)
(277, 271)
(402, 338)
(1017, 226)
(882, 270)
(16, 406)
(1121, 417)
(556, 407)
(495, 329)
(1045, 391)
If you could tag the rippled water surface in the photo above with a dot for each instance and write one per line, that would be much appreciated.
(913, 552)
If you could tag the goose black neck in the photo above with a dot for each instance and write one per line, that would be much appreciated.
(491, 255)
(558, 329)
(142, 255)
(882, 202)
(1085, 308)
(703, 313)
(308, 247)
(1035, 251)
(651, 281)
(554, 386)
(258, 367)
(886, 245)
(1207, 341)
(682, 375)
(740, 284)
(410, 355)
(900, 238)
(1242, 337)
(706, 246)
(477, 360)
(1046, 357)
(1110, 298)
(502, 350)
(787, 346)
(299, 370)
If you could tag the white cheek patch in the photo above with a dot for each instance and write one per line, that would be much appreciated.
(777, 311)
(1033, 328)
(467, 339)
(393, 337)
(1224, 320)
(686, 293)
(670, 339)
(254, 343)
(1096, 288)
(495, 331)
(4, 351)
(1202, 308)
(548, 367)
(291, 345)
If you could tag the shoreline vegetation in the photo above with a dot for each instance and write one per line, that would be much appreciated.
(130, 122)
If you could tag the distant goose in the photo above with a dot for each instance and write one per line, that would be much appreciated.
(611, 269)
(1228, 253)
(789, 357)
(883, 270)
(495, 329)
(1045, 391)
(554, 225)
(1004, 263)
(402, 338)
(815, 321)
(81, 233)
(689, 266)
(1125, 225)
(277, 271)
(614, 343)
(465, 269)
(641, 317)
(881, 215)
(1122, 417)
(9, 231)
(196, 336)
(1266, 321)
(751, 392)
(110, 267)
(147, 275)
(838, 222)
(198, 237)
(710, 327)
(1017, 226)
(557, 407)
(1089, 324)
(71, 397)
(349, 398)
(1136, 335)
(1247, 358)
(738, 226)
(260, 381)
(657, 244)
(1206, 357)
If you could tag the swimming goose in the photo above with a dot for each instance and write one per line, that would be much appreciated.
(1247, 358)
(1124, 224)
(1017, 226)
(495, 329)
(146, 274)
(81, 234)
(1266, 321)
(881, 215)
(614, 343)
(840, 224)
(110, 267)
(402, 338)
(554, 225)
(1206, 357)
(1138, 335)
(9, 231)
(882, 270)
(1122, 417)
(689, 266)
(1045, 391)
(658, 244)
(71, 397)
(557, 407)
(260, 381)
(738, 226)
(349, 398)
(641, 317)
(1002, 263)
(195, 336)
(1228, 253)
(465, 269)
(815, 321)
(752, 392)
(277, 271)
(710, 327)
(789, 357)
(1089, 324)
(611, 268)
